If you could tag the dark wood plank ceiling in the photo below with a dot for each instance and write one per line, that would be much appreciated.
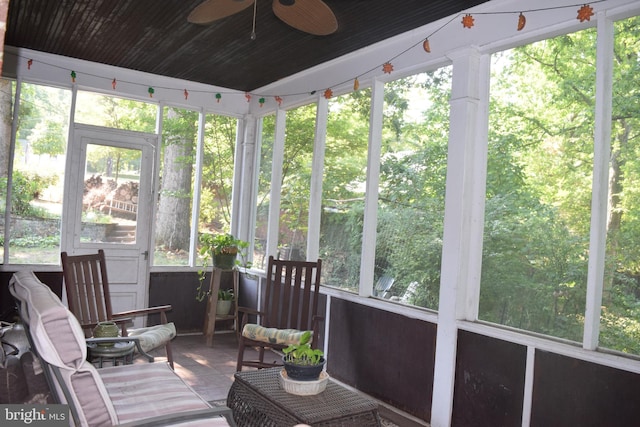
(154, 35)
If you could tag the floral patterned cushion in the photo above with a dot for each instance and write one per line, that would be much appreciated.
(271, 335)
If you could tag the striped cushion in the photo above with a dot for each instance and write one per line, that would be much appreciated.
(59, 339)
(272, 335)
(149, 389)
(154, 336)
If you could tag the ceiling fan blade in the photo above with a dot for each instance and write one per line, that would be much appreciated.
(310, 16)
(212, 10)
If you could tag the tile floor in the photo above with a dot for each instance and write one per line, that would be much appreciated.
(208, 370)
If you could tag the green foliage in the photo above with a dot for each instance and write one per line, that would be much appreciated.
(49, 137)
(35, 242)
(217, 169)
(540, 166)
(212, 244)
(27, 187)
(302, 353)
(225, 295)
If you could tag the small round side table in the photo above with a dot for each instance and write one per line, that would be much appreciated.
(118, 352)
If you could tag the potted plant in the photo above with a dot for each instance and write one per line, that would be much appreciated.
(225, 299)
(301, 362)
(222, 250)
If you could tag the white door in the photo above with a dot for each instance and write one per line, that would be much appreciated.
(109, 184)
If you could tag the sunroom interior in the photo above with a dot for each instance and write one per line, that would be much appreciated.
(464, 171)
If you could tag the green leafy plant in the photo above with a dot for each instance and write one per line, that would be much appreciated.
(215, 244)
(302, 353)
(219, 244)
(225, 295)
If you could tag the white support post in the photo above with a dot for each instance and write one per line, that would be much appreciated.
(463, 137)
(600, 189)
(315, 201)
(197, 186)
(367, 261)
(276, 179)
(246, 198)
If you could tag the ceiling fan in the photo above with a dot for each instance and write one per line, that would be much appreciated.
(311, 16)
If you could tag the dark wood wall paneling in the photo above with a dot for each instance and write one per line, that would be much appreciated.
(572, 392)
(179, 289)
(489, 383)
(386, 355)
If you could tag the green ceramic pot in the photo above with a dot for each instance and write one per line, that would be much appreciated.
(106, 329)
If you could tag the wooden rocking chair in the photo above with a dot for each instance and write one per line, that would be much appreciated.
(87, 287)
(289, 308)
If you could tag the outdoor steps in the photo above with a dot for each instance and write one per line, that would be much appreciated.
(122, 234)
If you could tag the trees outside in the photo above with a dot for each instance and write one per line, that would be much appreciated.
(6, 118)
(296, 182)
(37, 175)
(539, 189)
(343, 189)
(217, 173)
(173, 216)
(412, 184)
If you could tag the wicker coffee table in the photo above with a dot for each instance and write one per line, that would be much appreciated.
(257, 399)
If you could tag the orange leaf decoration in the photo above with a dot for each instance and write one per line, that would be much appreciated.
(248, 96)
(467, 21)
(585, 13)
(186, 94)
(114, 83)
(356, 84)
(29, 63)
(328, 93)
(522, 21)
(387, 68)
(425, 46)
(278, 100)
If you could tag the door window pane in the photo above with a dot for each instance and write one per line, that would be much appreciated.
(38, 175)
(110, 198)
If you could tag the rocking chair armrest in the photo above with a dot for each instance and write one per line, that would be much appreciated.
(143, 311)
(243, 314)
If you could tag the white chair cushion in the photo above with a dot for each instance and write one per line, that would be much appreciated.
(154, 336)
